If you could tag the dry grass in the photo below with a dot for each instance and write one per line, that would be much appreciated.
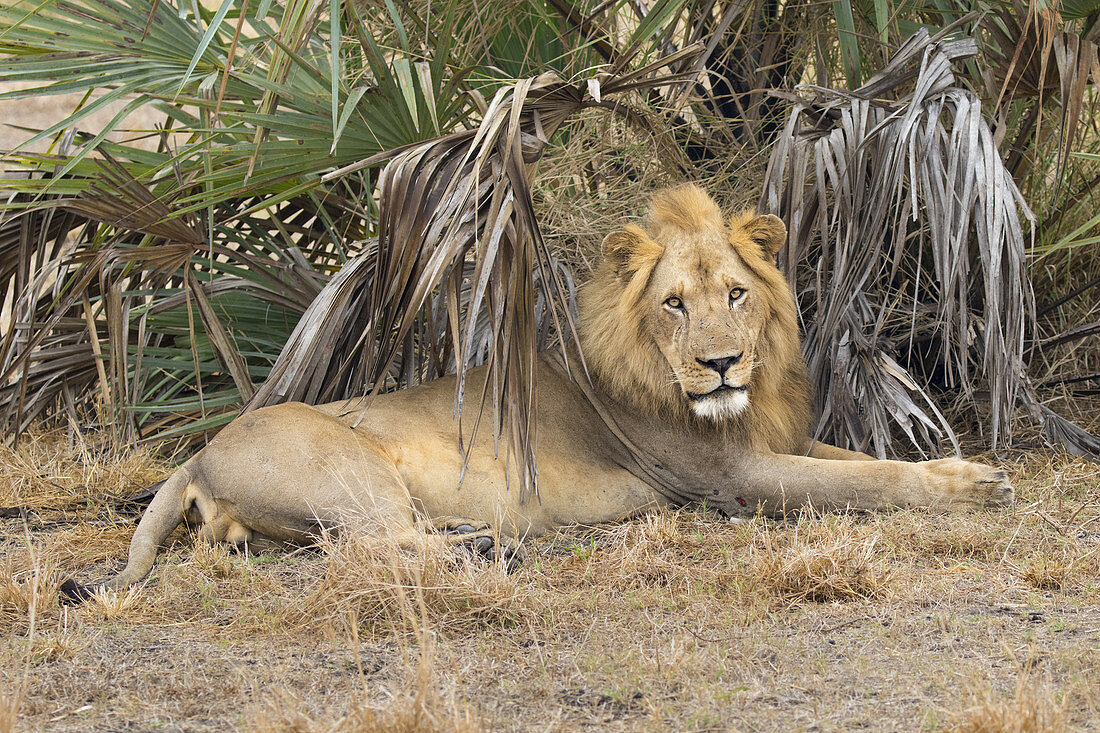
(21, 600)
(421, 704)
(12, 691)
(680, 619)
(1048, 573)
(27, 590)
(57, 472)
(823, 560)
(378, 586)
(604, 174)
(819, 558)
(1033, 708)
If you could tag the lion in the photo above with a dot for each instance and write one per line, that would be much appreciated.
(698, 392)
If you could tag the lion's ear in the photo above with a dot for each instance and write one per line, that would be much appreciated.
(628, 250)
(769, 232)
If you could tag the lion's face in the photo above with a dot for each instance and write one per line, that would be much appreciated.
(706, 315)
(691, 314)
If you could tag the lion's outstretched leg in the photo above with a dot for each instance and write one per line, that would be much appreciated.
(775, 483)
(817, 449)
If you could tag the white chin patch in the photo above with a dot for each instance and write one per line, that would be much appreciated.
(721, 407)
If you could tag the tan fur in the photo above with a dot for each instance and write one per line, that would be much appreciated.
(699, 393)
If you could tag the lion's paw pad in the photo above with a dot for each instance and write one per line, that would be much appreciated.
(486, 548)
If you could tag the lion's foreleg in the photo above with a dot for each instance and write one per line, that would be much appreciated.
(816, 449)
(775, 484)
(475, 539)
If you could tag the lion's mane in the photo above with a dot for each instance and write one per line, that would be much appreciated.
(619, 348)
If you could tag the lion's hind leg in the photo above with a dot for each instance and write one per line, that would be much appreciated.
(224, 528)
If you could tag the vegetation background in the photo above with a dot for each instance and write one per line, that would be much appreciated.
(151, 278)
(219, 190)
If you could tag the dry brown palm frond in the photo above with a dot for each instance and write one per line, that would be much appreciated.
(458, 229)
(1034, 55)
(906, 247)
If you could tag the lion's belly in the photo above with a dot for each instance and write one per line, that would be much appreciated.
(580, 475)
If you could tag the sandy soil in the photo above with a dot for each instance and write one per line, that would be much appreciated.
(38, 113)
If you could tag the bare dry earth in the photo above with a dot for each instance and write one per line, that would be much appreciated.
(18, 117)
(682, 620)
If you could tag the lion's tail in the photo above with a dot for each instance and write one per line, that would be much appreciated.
(164, 514)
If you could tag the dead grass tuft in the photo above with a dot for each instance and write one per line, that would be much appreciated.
(1033, 708)
(1048, 573)
(658, 550)
(825, 559)
(62, 643)
(972, 542)
(384, 586)
(77, 547)
(27, 589)
(53, 471)
(212, 560)
(116, 605)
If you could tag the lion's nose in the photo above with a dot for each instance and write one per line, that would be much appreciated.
(720, 365)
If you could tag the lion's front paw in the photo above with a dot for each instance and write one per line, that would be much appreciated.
(963, 485)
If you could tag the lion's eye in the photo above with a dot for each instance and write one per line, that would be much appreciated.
(674, 303)
(736, 294)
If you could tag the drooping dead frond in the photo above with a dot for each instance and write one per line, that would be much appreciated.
(1034, 55)
(906, 247)
(457, 229)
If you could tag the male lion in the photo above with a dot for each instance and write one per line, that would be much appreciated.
(698, 392)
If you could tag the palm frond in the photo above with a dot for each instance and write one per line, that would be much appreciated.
(1034, 56)
(906, 249)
